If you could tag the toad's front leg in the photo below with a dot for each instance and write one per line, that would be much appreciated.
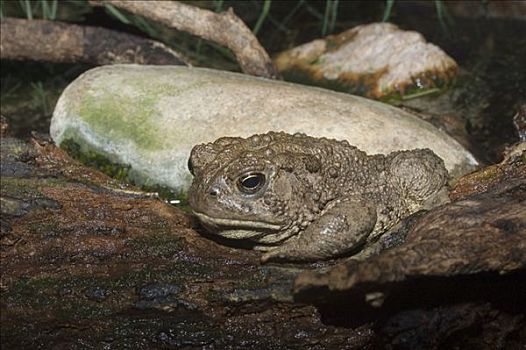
(342, 228)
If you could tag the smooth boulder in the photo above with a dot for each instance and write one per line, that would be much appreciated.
(149, 117)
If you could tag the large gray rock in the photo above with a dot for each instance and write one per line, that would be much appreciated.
(149, 117)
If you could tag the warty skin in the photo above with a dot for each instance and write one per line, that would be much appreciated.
(300, 198)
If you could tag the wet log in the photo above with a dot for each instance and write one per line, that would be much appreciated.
(462, 265)
(53, 41)
(89, 262)
(225, 29)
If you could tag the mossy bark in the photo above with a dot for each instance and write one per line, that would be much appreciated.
(89, 262)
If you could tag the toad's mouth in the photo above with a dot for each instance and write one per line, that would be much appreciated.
(251, 227)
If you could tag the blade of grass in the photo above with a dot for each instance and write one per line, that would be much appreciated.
(117, 14)
(41, 96)
(262, 16)
(334, 16)
(8, 90)
(45, 9)
(292, 12)
(199, 46)
(218, 5)
(387, 12)
(329, 18)
(26, 7)
(443, 17)
(314, 12)
(54, 7)
(145, 26)
(485, 6)
(277, 24)
(281, 24)
(226, 53)
(325, 24)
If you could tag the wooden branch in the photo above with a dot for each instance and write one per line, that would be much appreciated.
(87, 261)
(224, 28)
(53, 41)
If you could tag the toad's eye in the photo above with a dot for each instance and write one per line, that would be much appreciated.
(251, 183)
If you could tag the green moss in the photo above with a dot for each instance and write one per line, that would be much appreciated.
(118, 117)
(26, 188)
(31, 292)
(169, 195)
(134, 118)
(14, 147)
(184, 205)
(46, 294)
(44, 228)
(91, 156)
(256, 280)
(486, 175)
(162, 244)
(165, 193)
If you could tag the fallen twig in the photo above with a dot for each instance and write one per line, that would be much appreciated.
(53, 41)
(224, 28)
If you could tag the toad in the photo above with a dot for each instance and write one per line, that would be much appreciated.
(300, 198)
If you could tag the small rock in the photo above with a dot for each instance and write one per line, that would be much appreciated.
(153, 291)
(96, 293)
(376, 60)
(161, 296)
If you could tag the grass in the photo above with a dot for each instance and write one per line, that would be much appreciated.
(325, 13)
(278, 25)
(262, 16)
(9, 86)
(47, 8)
(41, 98)
(74, 10)
(443, 17)
(27, 8)
(387, 12)
(330, 16)
(218, 5)
(117, 14)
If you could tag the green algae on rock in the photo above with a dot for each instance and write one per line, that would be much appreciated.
(146, 119)
(377, 60)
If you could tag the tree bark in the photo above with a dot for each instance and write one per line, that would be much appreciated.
(88, 262)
